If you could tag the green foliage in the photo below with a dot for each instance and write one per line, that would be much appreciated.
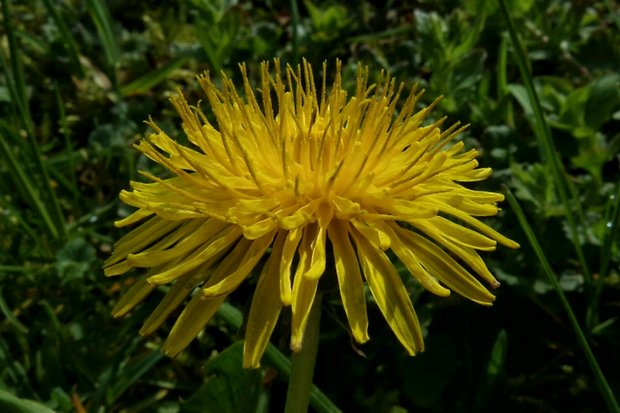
(228, 388)
(12, 404)
(78, 80)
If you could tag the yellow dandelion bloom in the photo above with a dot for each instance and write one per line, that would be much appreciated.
(291, 174)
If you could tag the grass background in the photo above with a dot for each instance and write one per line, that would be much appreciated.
(80, 77)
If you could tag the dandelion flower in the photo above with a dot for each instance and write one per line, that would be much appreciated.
(289, 175)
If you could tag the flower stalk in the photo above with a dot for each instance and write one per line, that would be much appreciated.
(303, 362)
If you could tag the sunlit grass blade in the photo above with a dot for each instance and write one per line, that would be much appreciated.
(23, 181)
(8, 314)
(67, 38)
(318, 400)
(101, 17)
(153, 78)
(604, 388)
(546, 142)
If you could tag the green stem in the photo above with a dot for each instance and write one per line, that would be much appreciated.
(318, 400)
(603, 385)
(300, 381)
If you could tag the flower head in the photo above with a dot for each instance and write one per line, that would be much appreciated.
(294, 173)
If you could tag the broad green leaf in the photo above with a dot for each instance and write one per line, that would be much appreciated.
(426, 376)
(75, 259)
(229, 388)
(603, 100)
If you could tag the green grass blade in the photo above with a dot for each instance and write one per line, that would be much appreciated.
(51, 198)
(153, 78)
(546, 142)
(15, 75)
(502, 81)
(17, 89)
(93, 215)
(8, 314)
(385, 34)
(12, 403)
(66, 133)
(604, 388)
(67, 39)
(613, 220)
(22, 180)
(10, 211)
(295, 27)
(100, 14)
(319, 401)
(130, 373)
(13, 269)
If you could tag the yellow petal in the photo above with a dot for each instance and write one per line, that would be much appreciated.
(194, 317)
(445, 268)
(227, 282)
(373, 234)
(485, 229)
(178, 292)
(198, 257)
(462, 203)
(304, 289)
(349, 280)
(266, 306)
(288, 253)
(408, 257)
(173, 299)
(443, 228)
(132, 297)
(410, 210)
(317, 261)
(259, 228)
(471, 258)
(139, 238)
(191, 237)
(133, 218)
(390, 295)
(116, 269)
(463, 251)
(345, 208)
